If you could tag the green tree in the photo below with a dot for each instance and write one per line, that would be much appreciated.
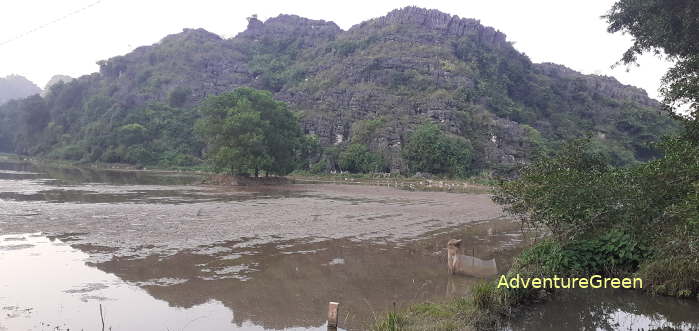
(571, 193)
(363, 131)
(664, 27)
(247, 130)
(597, 211)
(309, 151)
(178, 96)
(357, 158)
(131, 134)
(430, 150)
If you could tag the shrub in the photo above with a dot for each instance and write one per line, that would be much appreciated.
(131, 134)
(357, 158)
(68, 152)
(138, 154)
(178, 96)
(430, 150)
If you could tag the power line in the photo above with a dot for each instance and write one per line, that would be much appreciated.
(43, 26)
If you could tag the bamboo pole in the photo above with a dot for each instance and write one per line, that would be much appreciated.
(333, 309)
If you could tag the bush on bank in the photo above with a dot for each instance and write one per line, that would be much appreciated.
(640, 221)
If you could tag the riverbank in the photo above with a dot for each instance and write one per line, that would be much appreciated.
(637, 221)
(476, 184)
(468, 185)
(485, 307)
(613, 256)
(489, 306)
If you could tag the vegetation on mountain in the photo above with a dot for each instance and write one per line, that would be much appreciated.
(372, 85)
(53, 81)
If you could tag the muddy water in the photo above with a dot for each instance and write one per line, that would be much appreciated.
(597, 309)
(159, 252)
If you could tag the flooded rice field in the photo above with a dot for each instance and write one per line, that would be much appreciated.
(158, 251)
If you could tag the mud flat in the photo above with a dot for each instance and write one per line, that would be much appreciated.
(163, 248)
(129, 217)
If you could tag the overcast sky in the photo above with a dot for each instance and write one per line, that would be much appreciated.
(566, 32)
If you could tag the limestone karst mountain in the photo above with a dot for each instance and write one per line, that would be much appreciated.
(16, 87)
(410, 66)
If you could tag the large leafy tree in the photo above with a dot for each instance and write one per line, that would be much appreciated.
(664, 27)
(430, 150)
(247, 130)
(358, 158)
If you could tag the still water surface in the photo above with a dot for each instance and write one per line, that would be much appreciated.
(159, 252)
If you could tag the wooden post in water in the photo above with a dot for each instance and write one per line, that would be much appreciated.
(333, 308)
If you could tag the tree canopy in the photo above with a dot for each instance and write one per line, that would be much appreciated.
(430, 150)
(664, 27)
(247, 130)
(357, 158)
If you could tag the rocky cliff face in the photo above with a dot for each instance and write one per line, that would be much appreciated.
(605, 85)
(288, 29)
(445, 24)
(410, 66)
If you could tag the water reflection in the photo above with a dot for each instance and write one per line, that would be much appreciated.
(49, 287)
(159, 254)
(290, 282)
(226, 286)
(27, 182)
(475, 267)
(600, 309)
(61, 176)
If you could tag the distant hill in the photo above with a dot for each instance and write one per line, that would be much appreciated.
(382, 77)
(16, 87)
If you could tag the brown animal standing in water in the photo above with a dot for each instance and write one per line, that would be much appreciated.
(468, 265)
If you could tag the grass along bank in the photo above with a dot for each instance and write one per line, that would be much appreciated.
(476, 184)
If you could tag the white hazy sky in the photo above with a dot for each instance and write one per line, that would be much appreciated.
(567, 32)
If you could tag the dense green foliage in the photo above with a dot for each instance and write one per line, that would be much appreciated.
(247, 130)
(65, 126)
(610, 253)
(600, 215)
(664, 27)
(430, 150)
(357, 158)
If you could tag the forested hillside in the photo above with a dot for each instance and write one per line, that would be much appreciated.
(365, 89)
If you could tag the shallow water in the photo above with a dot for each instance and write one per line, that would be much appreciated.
(171, 256)
(598, 309)
(159, 252)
